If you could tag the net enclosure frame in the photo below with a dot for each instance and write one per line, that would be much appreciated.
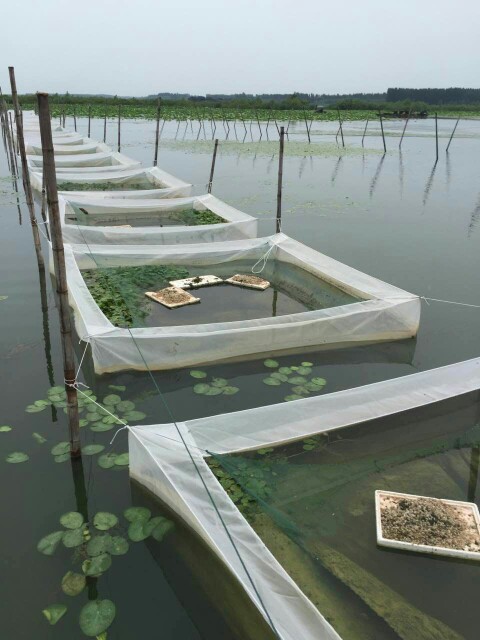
(162, 184)
(236, 224)
(383, 312)
(167, 459)
(93, 162)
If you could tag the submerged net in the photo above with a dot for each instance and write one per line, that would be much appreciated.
(312, 503)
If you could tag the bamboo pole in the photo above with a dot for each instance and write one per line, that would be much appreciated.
(341, 127)
(25, 173)
(405, 128)
(453, 133)
(280, 180)
(89, 119)
(119, 127)
(383, 134)
(364, 131)
(9, 138)
(306, 125)
(60, 273)
(436, 137)
(14, 145)
(75, 117)
(105, 125)
(155, 156)
(212, 168)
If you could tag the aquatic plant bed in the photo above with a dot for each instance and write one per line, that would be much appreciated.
(152, 220)
(172, 297)
(312, 301)
(428, 525)
(248, 281)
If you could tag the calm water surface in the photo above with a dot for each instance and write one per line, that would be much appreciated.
(398, 217)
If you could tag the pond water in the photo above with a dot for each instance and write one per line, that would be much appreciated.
(397, 216)
(188, 216)
(313, 504)
(292, 290)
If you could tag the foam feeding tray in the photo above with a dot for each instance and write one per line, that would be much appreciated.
(249, 281)
(172, 297)
(196, 282)
(428, 525)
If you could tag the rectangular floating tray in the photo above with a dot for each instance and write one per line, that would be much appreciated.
(184, 298)
(196, 282)
(253, 282)
(423, 548)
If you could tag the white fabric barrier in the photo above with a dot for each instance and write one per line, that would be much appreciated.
(384, 312)
(238, 225)
(88, 161)
(160, 461)
(154, 177)
(81, 147)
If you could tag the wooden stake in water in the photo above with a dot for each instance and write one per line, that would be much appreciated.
(306, 125)
(383, 134)
(404, 128)
(280, 180)
(364, 131)
(453, 133)
(75, 117)
(157, 128)
(25, 172)
(212, 168)
(341, 127)
(119, 125)
(60, 273)
(105, 125)
(89, 118)
(436, 138)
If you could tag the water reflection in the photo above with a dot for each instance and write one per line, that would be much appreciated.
(336, 169)
(373, 184)
(474, 217)
(428, 185)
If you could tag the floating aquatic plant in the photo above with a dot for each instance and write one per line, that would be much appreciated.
(96, 616)
(54, 612)
(16, 457)
(4, 428)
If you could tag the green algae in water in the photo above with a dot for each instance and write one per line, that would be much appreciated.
(106, 186)
(120, 291)
(323, 502)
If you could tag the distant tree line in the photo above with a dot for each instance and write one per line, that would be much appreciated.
(454, 95)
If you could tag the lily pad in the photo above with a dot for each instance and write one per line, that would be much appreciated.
(201, 388)
(135, 416)
(57, 389)
(297, 380)
(92, 449)
(286, 371)
(99, 427)
(272, 382)
(31, 408)
(99, 544)
(96, 616)
(161, 529)
(16, 457)
(73, 538)
(41, 403)
(103, 520)
(93, 416)
(219, 382)
(97, 565)
(125, 406)
(2, 298)
(307, 364)
(301, 390)
(122, 460)
(319, 382)
(137, 513)
(214, 391)
(293, 396)
(198, 374)
(4, 428)
(38, 437)
(109, 420)
(279, 376)
(107, 460)
(117, 387)
(73, 583)
(304, 371)
(111, 400)
(139, 530)
(118, 546)
(230, 391)
(71, 520)
(60, 448)
(271, 364)
(49, 543)
(63, 457)
(54, 612)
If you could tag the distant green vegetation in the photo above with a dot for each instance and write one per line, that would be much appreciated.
(293, 108)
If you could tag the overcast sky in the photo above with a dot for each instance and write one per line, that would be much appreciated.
(224, 46)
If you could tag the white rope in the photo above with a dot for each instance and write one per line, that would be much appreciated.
(81, 360)
(460, 304)
(263, 260)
